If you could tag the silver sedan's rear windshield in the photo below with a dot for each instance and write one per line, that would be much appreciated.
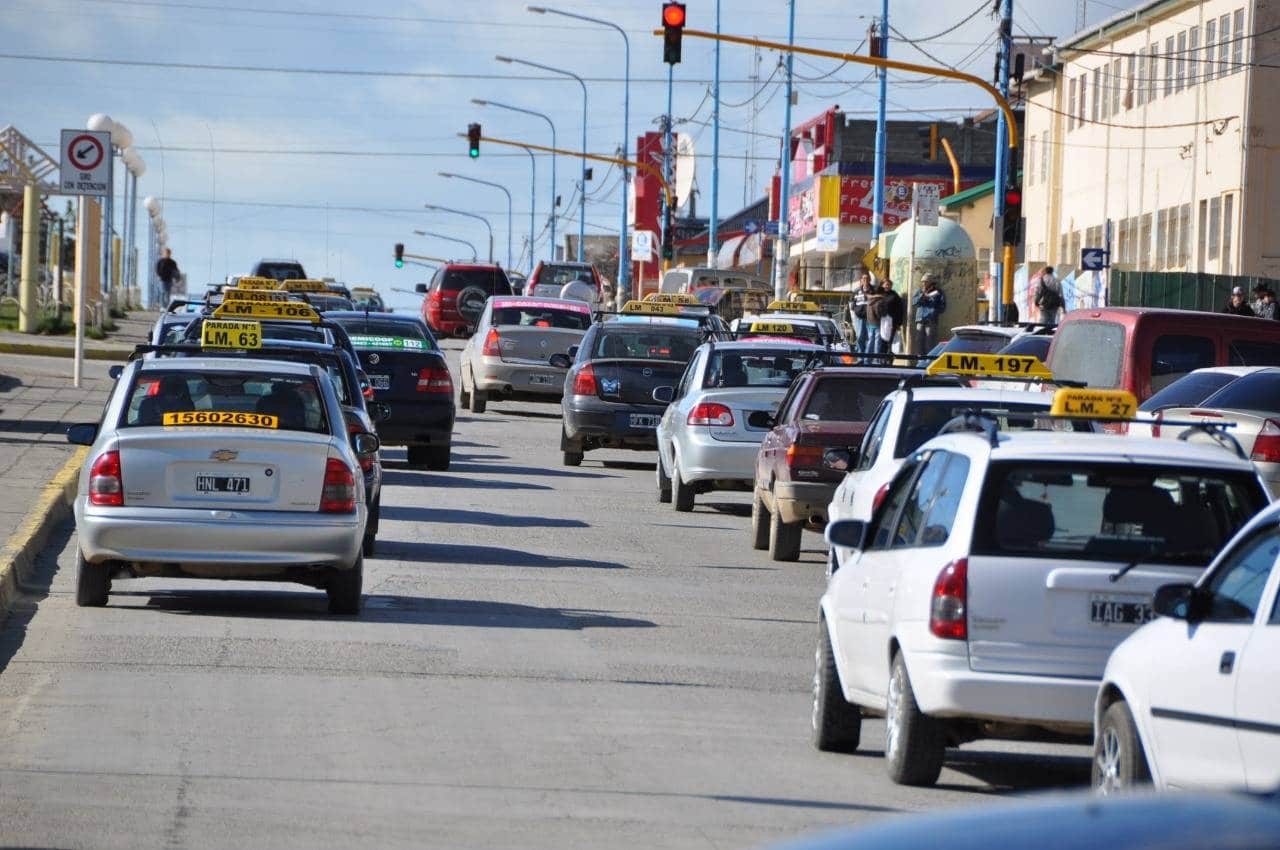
(220, 399)
(763, 368)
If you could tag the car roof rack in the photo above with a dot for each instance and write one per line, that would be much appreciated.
(971, 421)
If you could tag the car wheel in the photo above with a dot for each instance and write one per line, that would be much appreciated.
(837, 723)
(344, 589)
(438, 458)
(760, 519)
(464, 395)
(370, 542)
(784, 539)
(479, 400)
(572, 458)
(1119, 764)
(93, 583)
(419, 456)
(681, 492)
(914, 744)
(664, 482)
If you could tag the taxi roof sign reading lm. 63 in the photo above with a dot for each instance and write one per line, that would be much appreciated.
(989, 365)
(224, 333)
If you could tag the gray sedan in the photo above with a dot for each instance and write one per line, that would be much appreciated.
(222, 469)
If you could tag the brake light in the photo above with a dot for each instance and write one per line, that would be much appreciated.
(338, 496)
(804, 455)
(879, 497)
(491, 344)
(1266, 447)
(106, 487)
(367, 391)
(584, 383)
(948, 614)
(366, 461)
(711, 414)
(435, 379)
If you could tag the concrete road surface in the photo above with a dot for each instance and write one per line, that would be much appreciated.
(548, 658)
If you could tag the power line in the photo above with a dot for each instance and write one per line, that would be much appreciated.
(978, 11)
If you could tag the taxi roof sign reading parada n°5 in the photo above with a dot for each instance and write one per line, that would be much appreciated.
(85, 163)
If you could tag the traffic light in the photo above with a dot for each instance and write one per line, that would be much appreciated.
(928, 141)
(672, 30)
(1013, 212)
(399, 255)
(473, 141)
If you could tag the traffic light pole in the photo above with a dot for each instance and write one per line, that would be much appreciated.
(877, 180)
(668, 238)
(782, 250)
(1002, 254)
(595, 157)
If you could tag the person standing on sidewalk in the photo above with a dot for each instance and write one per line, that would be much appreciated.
(1237, 305)
(1266, 308)
(167, 271)
(891, 316)
(862, 298)
(930, 303)
(1048, 298)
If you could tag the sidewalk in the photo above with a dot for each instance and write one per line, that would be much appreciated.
(37, 464)
(117, 346)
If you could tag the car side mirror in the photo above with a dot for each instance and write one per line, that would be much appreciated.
(560, 360)
(115, 372)
(837, 460)
(379, 411)
(420, 287)
(761, 419)
(664, 395)
(849, 533)
(365, 443)
(573, 351)
(1175, 601)
(83, 434)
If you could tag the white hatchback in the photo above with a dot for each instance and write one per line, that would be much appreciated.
(986, 592)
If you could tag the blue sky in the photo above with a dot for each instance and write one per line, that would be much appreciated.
(391, 135)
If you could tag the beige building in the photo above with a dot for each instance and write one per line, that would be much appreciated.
(1156, 121)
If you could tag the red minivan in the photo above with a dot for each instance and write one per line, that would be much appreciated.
(457, 294)
(1144, 349)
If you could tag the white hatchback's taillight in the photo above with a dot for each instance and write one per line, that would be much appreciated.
(339, 493)
(948, 608)
(1266, 447)
(106, 486)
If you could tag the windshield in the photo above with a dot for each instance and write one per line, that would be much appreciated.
(761, 368)
(491, 281)
(818, 331)
(655, 343)
(543, 316)
(382, 333)
(971, 343)
(1028, 346)
(1113, 511)
(184, 399)
(924, 419)
(851, 399)
(281, 271)
(1189, 390)
(1258, 392)
(558, 276)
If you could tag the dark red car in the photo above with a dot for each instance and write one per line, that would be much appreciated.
(457, 294)
(827, 408)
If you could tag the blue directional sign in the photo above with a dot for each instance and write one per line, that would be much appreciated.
(1094, 259)
(751, 226)
(771, 228)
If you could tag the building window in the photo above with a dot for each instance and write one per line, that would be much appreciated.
(1064, 245)
(1044, 160)
(1116, 85)
(1224, 43)
(1193, 57)
(1030, 158)
(1153, 74)
(1202, 234)
(1168, 66)
(1084, 79)
(1237, 44)
(1180, 68)
(1210, 44)
(1129, 82)
(1184, 235)
(1215, 222)
(1071, 104)
(1144, 242)
(1228, 214)
(1097, 93)
(1103, 93)
(1140, 80)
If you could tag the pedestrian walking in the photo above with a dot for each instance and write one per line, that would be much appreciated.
(930, 303)
(1048, 297)
(167, 271)
(862, 298)
(1236, 304)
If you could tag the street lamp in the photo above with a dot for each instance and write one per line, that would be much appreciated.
(474, 254)
(624, 268)
(439, 208)
(505, 191)
(582, 212)
(552, 125)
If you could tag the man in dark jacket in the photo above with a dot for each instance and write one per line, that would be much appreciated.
(890, 305)
(167, 271)
(930, 304)
(1237, 305)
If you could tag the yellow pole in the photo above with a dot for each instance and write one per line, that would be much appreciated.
(1008, 276)
(426, 257)
(27, 291)
(874, 61)
(955, 165)
(115, 274)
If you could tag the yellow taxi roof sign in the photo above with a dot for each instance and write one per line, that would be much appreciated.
(300, 285)
(237, 294)
(772, 328)
(257, 283)
(989, 365)
(1094, 404)
(650, 308)
(673, 298)
(781, 306)
(225, 333)
(291, 311)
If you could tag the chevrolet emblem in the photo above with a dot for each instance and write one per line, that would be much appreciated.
(224, 455)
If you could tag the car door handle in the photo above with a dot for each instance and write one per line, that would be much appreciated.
(1227, 663)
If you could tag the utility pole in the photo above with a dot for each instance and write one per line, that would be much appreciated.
(782, 249)
(1002, 254)
(668, 236)
(877, 187)
(713, 237)
(749, 164)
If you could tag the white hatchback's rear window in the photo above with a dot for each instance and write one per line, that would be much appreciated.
(291, 402)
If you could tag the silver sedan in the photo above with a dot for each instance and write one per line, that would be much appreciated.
(222, 469)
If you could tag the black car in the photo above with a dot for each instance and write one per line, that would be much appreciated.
(410, 378)
(280, 270)
(608, 393)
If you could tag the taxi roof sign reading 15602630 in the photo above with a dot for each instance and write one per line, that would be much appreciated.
(289, 311)
(989, 366)
(226, 333)
(1094, 404)
(650, 308)
(300, 285)
(257, 283)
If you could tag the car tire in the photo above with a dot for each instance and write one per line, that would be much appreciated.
(345, 589)
(681, 491)
(784, 539)
(419, 456)
(1119, 763)
(93, 583)
(438, 458)
(572, 458)
(914, 743)
(370, 542)
(837, 723)
(760, 520)
(464, 395)
(664, 482)
(479, 400)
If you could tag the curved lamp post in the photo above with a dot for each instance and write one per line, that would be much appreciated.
(481, 218)
(505, 191)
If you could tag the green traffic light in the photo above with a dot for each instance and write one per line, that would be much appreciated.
(399, 264)
(475, 153)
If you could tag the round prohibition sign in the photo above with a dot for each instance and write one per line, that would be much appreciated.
(86, 152)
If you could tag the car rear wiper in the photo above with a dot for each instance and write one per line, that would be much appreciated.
(1147, 559)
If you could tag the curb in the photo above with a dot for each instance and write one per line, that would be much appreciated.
(61, 351)
(51, 508)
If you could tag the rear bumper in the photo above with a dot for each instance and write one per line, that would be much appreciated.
(592, 423)
(219, 544)
(418, 423)
(515, 380)
(704, 458)
(798, 501)
(450, 326)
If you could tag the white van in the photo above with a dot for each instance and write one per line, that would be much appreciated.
(693, 278)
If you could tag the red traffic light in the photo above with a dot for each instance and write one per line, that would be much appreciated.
(673, 15)
(1013, 197)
